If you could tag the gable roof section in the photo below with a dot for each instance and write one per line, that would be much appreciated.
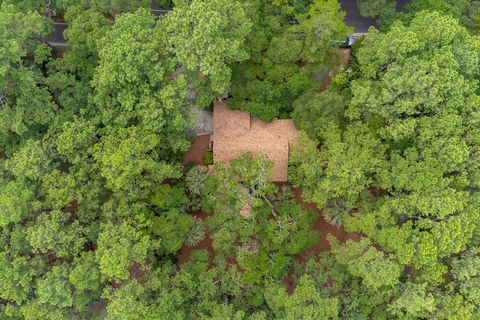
(236, 133)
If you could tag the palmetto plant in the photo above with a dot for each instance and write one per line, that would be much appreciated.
(336, 211)
(195, 180)
(196, 232)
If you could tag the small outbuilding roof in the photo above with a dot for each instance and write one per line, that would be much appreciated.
(236, 133)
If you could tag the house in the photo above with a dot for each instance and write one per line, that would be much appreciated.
(236, 133)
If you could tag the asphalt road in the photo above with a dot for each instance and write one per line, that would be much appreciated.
(56, 39)
(359, 23)
(353, 18)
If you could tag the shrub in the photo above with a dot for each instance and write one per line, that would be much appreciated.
(335, 211)
(166, 196)
(197, 263)
(195, 182)
(208, 157)
(196, 232)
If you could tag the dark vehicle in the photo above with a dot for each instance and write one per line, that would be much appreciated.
(347, 43)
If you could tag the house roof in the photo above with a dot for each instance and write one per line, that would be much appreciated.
(236, 133)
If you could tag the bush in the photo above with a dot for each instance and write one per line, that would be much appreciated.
(197, 263)
(166, 196)
(335, 211)
(208, 157)
(195, 182)
(196, 232)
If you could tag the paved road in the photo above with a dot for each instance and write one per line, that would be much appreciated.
(359, 23)
(56, 39)
(353, 18)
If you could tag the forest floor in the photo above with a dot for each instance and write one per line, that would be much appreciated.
(324, 229)
(206, 243)
(345, 54)
(322, 226)
(196, 151)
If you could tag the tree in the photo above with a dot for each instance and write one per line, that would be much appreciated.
(365, 261)
(304, 303)
(127, 156)
(54, 289)
(135, 84)
(206, 37)
(52, 232)
(343, 166)
(16, 278)
(118, 248)
(17, 200)
(380, 9)
(129, 302)
(26, 103)
(30, 162)
(42, 6)
(85, 278)
(317, 28)
(289, 44)
(315, 112)
(112, 7)
(85, 27)
(414, 302)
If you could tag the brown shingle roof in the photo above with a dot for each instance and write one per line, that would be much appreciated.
(236, 133)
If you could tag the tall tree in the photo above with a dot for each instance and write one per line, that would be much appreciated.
(288, 45)
(206, 37)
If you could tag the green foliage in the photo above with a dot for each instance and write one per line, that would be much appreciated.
(207, 36)
(134, 85)
(16, 278)
(316, 112)
(118, 247)
(208, 157)
(129, 302)
(196, 232)
(85, 27)
(414, 302)
(380, 9)
(93, 204)
(197, 263)
(52, 232)
(26, 103)
(288, 44)
(342, 167)
(304, 303)
(86, 275)
(410, 103)
(165, 196)
(17, 199)
(335, 212)
(466, 274)
(170, 225)
(195, 185)
(54, 289)
(365, 261)
(172, 228)
(127, 156)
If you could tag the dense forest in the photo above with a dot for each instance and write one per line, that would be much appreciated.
(101, 219)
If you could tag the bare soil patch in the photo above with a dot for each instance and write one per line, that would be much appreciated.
(324, 228)
(345, 54)
(196, 151)
(206, 243)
